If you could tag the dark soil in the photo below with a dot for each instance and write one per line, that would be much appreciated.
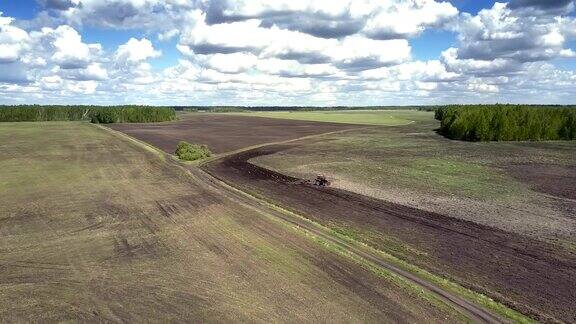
(532, 276)
(556, 180)
(224, 133)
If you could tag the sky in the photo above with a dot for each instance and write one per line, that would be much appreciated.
(287, 52)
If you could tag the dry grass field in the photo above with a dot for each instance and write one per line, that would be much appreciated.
(95, 228)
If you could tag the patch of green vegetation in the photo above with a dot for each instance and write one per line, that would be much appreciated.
(347, 232)
(192, 152)
(360, 117)
(466, 178)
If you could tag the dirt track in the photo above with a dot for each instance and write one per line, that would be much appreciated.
(224, 133)
(532, 276)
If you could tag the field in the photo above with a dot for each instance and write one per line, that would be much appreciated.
(471, 212)
(509, 185)
(358, 117)
(142, 236)
(223, 132)
(95, 228)
(530, 275)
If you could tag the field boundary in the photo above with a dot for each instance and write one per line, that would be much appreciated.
(483, 308)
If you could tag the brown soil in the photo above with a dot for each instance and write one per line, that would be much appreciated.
(532, 276)
(129, 238)
(555, 180)
(224, 133)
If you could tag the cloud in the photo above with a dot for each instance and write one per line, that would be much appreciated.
(59, 4)
(13, 73)
(69, 50)
(163, 15)
(359, 53)
(50, 83)
(229, 63)
(288, 52)
(549, 6)
(353, 52)
(49, 59)
(428, 71)
(135, 51)
(337, 18)
(292, 68)
(13, 40)
(82, 87)
(498, 33)
(408, 19)
(478, 67)
(93, 72)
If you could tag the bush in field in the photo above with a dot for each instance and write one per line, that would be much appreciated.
(507, 122)
(192, 152)
(118, 114)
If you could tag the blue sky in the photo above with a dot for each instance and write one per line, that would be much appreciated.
(287, 52)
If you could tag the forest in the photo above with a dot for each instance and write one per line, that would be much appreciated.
(95, 114)
(507, 122)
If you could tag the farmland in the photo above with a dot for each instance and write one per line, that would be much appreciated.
(225, 133)
(358, 117)
(143, 235)
(96, 228)
(471, 194)
(500, 185)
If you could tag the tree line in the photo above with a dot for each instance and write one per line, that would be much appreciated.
(507, 122)
(296, 108)
(95, 114)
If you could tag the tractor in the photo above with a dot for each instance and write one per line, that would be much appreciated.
(321, 181)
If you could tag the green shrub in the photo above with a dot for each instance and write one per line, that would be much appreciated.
(192, 152)
(507, 122)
